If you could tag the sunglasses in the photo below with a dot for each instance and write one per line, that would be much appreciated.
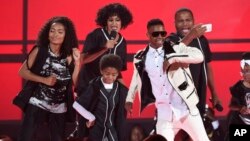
(157, 33)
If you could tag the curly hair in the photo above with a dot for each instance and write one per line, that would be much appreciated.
(114, 9)
(111, 60)
(70, 40)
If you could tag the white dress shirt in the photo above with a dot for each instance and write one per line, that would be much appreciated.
(168, 102)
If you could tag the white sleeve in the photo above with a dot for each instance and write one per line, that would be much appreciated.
(185, 54)
(133, 86)
(82, 111)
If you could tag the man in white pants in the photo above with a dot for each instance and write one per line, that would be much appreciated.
(161, 75)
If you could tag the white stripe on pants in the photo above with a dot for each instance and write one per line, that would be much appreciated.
(193, 125)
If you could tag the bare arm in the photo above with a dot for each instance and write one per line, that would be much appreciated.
(235, 108)
(25, 72)
(211, 85)
(242, 109)
(86, 57)
(195, 32)
(76, 56)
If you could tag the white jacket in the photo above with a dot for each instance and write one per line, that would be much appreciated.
(179, 77)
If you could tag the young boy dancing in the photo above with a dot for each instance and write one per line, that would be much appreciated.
(102, 104)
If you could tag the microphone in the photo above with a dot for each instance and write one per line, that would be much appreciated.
(218, 106)
(113, 34)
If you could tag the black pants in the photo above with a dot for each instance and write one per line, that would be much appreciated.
(35, 117)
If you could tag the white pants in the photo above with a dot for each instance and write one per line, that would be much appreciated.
(193, 125)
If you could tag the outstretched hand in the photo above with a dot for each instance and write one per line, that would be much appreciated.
(197, 31)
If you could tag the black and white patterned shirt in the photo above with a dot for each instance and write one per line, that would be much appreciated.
(52, 98)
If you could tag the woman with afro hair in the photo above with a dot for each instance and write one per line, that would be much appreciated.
(51, 68)
(105, 39)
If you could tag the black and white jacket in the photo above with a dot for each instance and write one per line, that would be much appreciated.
(179, 77)
(105, 108)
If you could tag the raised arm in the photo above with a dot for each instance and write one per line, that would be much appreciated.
(76, 56)
(195, 32)
(185, 54)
